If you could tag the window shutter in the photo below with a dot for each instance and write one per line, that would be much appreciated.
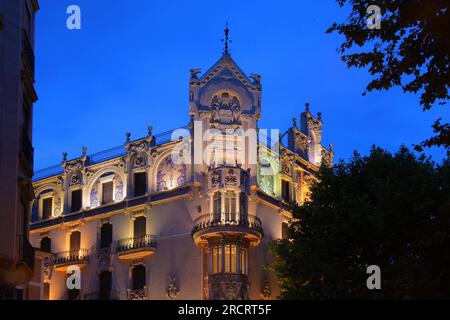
(107, 192)
(75, 240)
(139, 227)
(106, 235)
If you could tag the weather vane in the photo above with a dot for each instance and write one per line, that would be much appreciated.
(226, 40)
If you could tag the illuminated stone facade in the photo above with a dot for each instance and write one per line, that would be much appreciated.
(142, 225)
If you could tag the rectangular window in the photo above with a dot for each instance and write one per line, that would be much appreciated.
(140, 227)
(46, 244)
(230, 205)
(140, 184)
(285, 186)
(106, 235)
(107, 192)
(217, 259)
(230, 258)
(76, 200)
(139, 277)
(75, 241)
(47, 208)
(105, 285)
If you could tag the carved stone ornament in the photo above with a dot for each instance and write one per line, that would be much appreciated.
(286, 168)
(225, 286)
(139, 147)
(230, 178)
(139, 161)
(74, 165)
(302, 142)
(60, 181)
(89, 174)
(172, 288)
(75, 179)
(216, 179)
(121, 165)
(327, 158)
(225, 108)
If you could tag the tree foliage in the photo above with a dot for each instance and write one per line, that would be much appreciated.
(383, 209)
(411, 49)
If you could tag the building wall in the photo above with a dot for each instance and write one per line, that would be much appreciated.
(17, 96)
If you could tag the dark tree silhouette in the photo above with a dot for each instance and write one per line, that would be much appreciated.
(387, 210)
(411, 50)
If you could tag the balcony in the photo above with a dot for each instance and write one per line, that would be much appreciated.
(137, 294)
(136, 247)
(62, 260)
(215, 225)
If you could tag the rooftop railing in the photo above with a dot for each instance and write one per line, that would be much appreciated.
(107, 154)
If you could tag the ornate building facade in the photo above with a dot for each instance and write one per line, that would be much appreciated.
(142, 224)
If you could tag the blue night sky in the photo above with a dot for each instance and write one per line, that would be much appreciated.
(129, 67)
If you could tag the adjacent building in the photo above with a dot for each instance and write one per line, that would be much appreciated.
(17, 96)
(187, 214)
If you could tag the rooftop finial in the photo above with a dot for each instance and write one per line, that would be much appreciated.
(227, 39)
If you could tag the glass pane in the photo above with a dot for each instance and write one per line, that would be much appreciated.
(244, 261)
(227, 258)
(233, 259)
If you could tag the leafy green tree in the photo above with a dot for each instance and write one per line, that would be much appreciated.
(411, 50)
(389, 210)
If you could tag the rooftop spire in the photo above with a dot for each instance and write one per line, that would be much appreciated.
(227, 39)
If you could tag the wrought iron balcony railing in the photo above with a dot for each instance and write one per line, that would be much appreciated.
(133, 243)
(227, 219)
(137, 294)
(75, 256)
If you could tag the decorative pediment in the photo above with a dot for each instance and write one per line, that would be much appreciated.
(226, 68)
